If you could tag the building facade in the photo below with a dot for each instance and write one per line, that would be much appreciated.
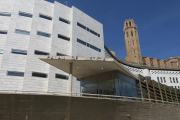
(36, 27)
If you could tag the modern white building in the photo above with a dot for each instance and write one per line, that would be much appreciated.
(36, 27)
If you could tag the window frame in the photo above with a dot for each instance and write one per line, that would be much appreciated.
(24, 14)
(61, 76)
(6, 14)
(63, 37)
(10, 73)
(44, 34)
(64, 20)
(18, 51)
(22, 32)
(34, 74)
(37, 52)
(45, 17)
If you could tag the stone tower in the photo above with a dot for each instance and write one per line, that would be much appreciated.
(132, 42)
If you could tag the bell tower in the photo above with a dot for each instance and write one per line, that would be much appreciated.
(132, 42)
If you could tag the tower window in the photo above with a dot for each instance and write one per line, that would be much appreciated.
(133, 42)
(134, 51)
(135, 33)
(129, 23)
(127, 34)
(132, 33)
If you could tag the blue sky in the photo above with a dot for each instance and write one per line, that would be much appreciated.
(158, 23)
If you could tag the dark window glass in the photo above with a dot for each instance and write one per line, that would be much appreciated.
(93, 32)
(36, 74)
(177, 80)
(82, 26)
(78, 79)
(95, 48)
(64, 20)
(40, 53)
(60, 54)
(158, 79)
(3, 32)
(20, 74)
(23, 52)
(60, 76)
(164, 79)
(25, 14)
(170, 79)
(63, 37)
(5, 14)
(1, 51)
(45, 17)
(22, 32)
(174, 80)
(161, 80)
(80, 41)
(175, 86)
(43, 34)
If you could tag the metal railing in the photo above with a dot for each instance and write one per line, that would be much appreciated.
(98, 96)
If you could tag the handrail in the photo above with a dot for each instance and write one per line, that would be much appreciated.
(99, 96)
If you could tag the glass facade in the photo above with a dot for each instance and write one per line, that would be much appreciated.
(121, 85)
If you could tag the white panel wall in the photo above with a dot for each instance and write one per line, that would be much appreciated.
(30, 63)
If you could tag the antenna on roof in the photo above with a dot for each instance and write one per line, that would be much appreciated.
(66, 2)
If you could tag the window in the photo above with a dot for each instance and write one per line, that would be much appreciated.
(43, 34)
(36, 74)
(126, 24)
(60, 76)
(15, 51)
(5, 14)
(80, 41)
(174, 80)
(11, 73)
(177, 80)
(82, 26)
(161, 80)
(127, 34)
(178, 86)
(175, 86)
(88, 45)
(40, 53)
(60, 54)
(45, 17)
(25, 14)
(63, 37)
(129, 23)
(3, 32)
(134, 51)
(22, 32)
(170, 79)
(132, 33)
(64, 20)
(1, 51)
(91, 31)
(164, 79)
(158, 79)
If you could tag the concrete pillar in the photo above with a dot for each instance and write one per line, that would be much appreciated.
(70, 76)
(171, 94)
(165, 93)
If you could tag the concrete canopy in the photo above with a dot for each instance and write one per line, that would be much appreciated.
(86, 66)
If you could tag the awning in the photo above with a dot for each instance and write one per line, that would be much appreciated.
(86, 66)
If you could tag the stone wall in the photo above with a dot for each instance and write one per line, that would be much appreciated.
(44, 107)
